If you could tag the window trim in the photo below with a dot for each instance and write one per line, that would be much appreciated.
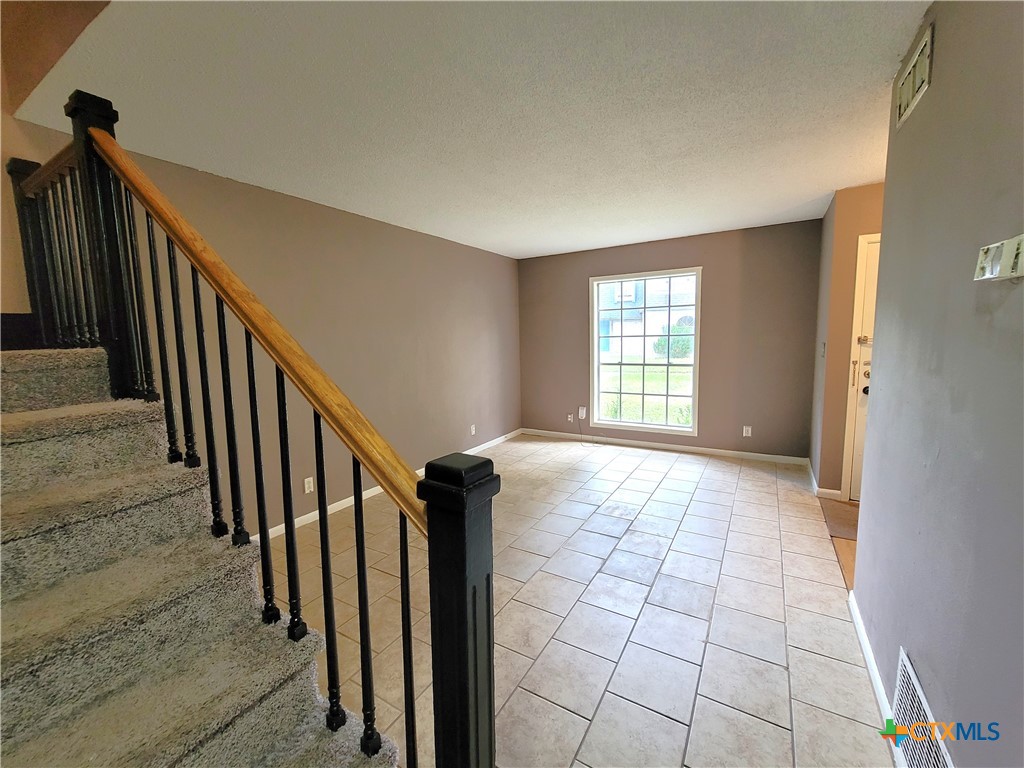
(595, 371)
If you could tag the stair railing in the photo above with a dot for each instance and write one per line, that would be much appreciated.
(88, 287)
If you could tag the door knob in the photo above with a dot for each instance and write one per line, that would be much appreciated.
(865, 390)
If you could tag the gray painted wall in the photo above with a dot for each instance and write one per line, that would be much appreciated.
(759, 290)
(939, 557)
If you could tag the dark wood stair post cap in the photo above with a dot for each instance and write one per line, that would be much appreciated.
(458, 481)
(97, 111)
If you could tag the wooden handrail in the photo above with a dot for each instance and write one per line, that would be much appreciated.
(42, 176)
(395, 476)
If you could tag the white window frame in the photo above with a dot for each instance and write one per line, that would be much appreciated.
(595, 369)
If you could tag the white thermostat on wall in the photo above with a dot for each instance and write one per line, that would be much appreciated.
(1001, 261)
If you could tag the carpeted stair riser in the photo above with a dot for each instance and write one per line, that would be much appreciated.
(64, 678)
(51, 378)
(79, 442)
(311, 744)
(164, 718)
(95, 533)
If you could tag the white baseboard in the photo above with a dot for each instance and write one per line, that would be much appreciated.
(823, 493)
(668, 446)
(309, 517)
(876, 679)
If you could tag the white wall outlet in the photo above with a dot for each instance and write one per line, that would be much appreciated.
(308, 484)
(472, 429)
(583, 412)
(569, 416)
(746, 431)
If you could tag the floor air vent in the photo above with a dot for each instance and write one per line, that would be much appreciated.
(909, 707)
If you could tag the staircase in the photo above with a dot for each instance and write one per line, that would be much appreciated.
(130, 635)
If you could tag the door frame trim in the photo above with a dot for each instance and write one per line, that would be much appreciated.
(851, 391)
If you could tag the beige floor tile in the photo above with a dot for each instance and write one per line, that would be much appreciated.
(596, 630)
(766, 495)
(391, 564)
(533, 508)
(714, 497)
(676, 484)
(635, 484)
(504, 590)
(797, 496)
(352, 699)
(698, 544)
(385, 622)
(757, 511)
(591, 543)
(742, 682)
(573, 565)
(752, 568)
(569, 677)
(815, 546)
(804, 526)
(810, 511)
(597, 484)
(820, 598)
(386, 541)
(518, 564)
(656, 526)
(625, 734)
(683, 596)
(716, 484)
(619, 509)
(563, 525)
(691, 568)
(589, 497)
(722, 737)
(758, 546)
(824, 740)
(626, 496)
(378, 584)
(709, 510)
(500, 540)
(615, 594)
(509, 669)
(524, 629)
(389, 672)
(823, 634)
(606, 525)
(749, 634)
(657, 681)
(841, 688)
(676, 634)
(646, 544)
(705, 526)
(812, 569)
(664, 509)
(576, 509)
(754, 526)
(421, 629)
(628, 565)
(510, 522)
(551, 593)
(751, 596)
(670, 496)
(540, 542)
(521, 744)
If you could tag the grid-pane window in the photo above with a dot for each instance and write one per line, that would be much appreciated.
(645, 333)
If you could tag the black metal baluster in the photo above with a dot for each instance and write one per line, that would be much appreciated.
(271, 613)
(239, 536)
(173, 451)
(88, 276)
(67, 244)
(65, 334)
(296, 626)
(218, 527)
(370, 741)
(149, 387)
(33, 253)
(131, 312)
(188, 426)
(335, 713)
(411, 754)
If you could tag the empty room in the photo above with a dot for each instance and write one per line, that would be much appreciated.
(512, 384)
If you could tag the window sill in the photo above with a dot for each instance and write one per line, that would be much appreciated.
(656, 428)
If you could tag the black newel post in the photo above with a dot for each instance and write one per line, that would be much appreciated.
(458, 490)
(99, 187)
(32, 248)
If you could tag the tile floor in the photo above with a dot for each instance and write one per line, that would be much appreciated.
(653, 608)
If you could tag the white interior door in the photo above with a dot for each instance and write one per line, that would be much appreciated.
(864, 334)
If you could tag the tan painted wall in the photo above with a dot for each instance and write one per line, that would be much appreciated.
(854, 211)
(422, 333)
(759, 295)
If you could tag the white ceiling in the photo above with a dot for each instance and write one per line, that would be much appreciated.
(524, 129)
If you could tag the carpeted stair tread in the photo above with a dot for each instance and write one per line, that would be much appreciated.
(59, 505)
(161, 719)
(311, 744)
(76, 610)
(48, 378)
(30, 426)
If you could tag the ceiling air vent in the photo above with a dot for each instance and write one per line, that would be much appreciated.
(913, 80)
(909, 707)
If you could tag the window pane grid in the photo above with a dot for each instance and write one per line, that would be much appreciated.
(646, 331)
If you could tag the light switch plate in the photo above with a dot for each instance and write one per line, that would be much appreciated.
(1001, 261)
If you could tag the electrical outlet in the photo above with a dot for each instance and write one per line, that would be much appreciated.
(472, 429)
(308, 484)
(583, 412)
(570, 418)
(746, 431)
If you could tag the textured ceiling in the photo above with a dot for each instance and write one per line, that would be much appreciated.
(520, 128)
